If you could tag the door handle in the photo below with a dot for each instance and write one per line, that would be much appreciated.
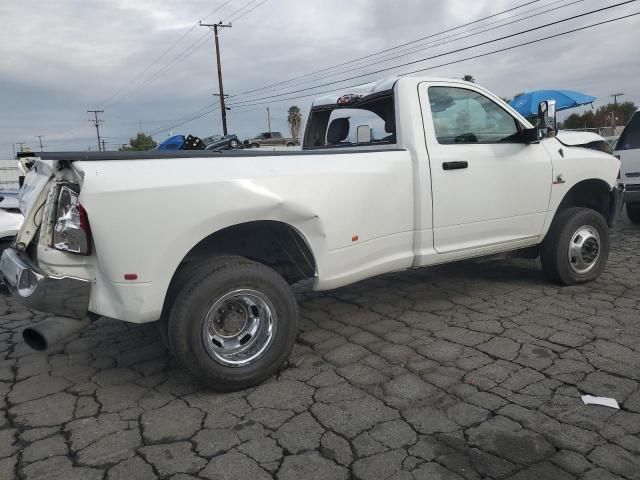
(455, 165)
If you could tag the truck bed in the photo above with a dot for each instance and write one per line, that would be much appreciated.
(160, 155)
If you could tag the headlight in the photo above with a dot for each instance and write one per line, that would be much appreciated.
(71, 232)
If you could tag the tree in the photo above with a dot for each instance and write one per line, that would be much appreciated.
(469, 78)
(604, 116)
(294, 118)
(140, 143)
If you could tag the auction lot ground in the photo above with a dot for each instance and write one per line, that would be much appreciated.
(473, 370)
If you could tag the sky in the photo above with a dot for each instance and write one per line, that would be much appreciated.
(147, 63)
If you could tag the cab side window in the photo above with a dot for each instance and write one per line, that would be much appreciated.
(464, 116)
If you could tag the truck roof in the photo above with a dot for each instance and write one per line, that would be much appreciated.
(376, 87)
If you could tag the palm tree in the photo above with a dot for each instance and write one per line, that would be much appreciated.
(469, 78)
(294, 118)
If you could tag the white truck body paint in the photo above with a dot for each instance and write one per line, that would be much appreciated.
(404, 209)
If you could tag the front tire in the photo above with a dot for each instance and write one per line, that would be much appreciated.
(233, 323)
(576, 247)
(633, 212)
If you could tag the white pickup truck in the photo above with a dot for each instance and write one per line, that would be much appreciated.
(208, 243)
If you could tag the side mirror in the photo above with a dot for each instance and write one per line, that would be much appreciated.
(547, 119)
(363, 134)
(530, 135)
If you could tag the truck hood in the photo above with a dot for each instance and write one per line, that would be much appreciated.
(578, 139)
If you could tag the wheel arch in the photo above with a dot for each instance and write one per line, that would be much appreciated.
(595, 194)
(274, 243)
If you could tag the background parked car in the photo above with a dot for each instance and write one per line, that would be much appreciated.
(214, 142)
(221, 142)
(270, 139)
(10, 217)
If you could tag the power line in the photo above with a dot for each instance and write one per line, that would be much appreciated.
(396, 47)
(240, 9)
(186, 119)
(493, 52)
(162, 55)
(247, 12)
(180, 57)
(258, 5)
(469, 47)
(183, 54)
(259, 101)
(433, 44)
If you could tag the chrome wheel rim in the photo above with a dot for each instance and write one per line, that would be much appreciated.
(584, 250)
(239, 327)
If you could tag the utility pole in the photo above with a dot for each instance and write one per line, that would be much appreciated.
(104, 149)
(269, 119)
(223, 108)
(615, 98)
(21, 144)
(96, 121)
(39, 137)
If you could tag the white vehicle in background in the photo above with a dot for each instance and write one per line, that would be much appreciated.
(627, 150)
(402, 173)
(10, 223)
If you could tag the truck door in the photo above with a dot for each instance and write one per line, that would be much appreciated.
(489, 188)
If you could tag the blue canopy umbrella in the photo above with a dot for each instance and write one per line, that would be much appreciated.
(527, 103)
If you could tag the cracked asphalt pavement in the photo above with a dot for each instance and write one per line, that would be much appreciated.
(466, 371)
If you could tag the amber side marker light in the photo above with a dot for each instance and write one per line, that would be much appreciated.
(354, 238)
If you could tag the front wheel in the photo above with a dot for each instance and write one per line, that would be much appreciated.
(233, 323)
(576, 247)
(233, 144)
(633, 212)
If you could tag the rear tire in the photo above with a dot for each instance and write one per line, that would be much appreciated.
(576, 247)
(233, 323)
(633, 212)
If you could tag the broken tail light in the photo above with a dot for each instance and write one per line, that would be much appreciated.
(71, 232)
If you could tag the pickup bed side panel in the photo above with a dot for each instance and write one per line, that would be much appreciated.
(354, 210)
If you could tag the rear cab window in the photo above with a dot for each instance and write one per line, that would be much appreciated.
(353, 122)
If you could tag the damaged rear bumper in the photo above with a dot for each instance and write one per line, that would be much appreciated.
(58, 295)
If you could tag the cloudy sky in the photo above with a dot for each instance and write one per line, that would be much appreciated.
(146, 62)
